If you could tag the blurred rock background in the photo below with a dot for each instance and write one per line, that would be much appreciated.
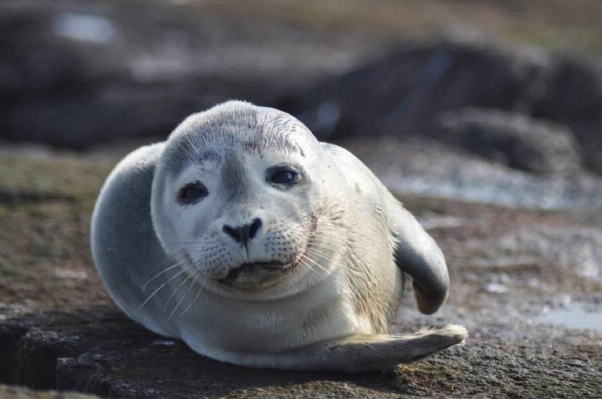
(78, 74)
(75, 74)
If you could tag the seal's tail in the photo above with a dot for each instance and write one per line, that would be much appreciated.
(376, 352)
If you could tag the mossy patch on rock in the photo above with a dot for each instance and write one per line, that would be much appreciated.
(45, 207)
(15, 392)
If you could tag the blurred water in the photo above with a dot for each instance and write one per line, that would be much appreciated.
(85, 27)
(418, 166)
(574, 315)
(514, 189)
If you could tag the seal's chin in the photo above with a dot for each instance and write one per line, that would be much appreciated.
(257, 275)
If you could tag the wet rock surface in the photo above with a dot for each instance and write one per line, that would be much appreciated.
(59, 329)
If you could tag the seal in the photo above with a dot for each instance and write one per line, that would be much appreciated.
(256, 244)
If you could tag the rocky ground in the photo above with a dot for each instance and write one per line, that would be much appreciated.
(509, 266)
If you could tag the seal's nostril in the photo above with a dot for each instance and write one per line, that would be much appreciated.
(236, 234)
(255, 226)
(243, 234)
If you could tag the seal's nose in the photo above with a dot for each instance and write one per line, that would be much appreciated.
(243, 234)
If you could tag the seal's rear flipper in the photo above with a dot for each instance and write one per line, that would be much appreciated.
(360, 353)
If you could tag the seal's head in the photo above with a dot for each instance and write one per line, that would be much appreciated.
(236, 200)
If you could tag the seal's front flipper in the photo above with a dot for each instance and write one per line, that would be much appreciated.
(363, 352)
(418, 255)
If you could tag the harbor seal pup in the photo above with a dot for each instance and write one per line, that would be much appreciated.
(257, 245)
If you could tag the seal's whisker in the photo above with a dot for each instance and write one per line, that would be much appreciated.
(179, 264)
(182, 298)
(194, 147)
(175, 291)
(316, 250)
(186, 242)
(302, 262)
(304, 257)
(192, 302)
(321, 255)
(190, 149)
(315, 261)
(168, 259)
(161, 286)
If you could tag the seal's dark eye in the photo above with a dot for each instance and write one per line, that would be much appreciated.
(192, 193)
(284, 176)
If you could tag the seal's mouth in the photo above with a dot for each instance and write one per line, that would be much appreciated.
(255, 268)
(260, 275)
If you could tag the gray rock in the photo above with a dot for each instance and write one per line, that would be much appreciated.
(100, 351)
(403, 93)
(512, 139)
(572, 95)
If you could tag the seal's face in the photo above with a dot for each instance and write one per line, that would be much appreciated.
(235, 201)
